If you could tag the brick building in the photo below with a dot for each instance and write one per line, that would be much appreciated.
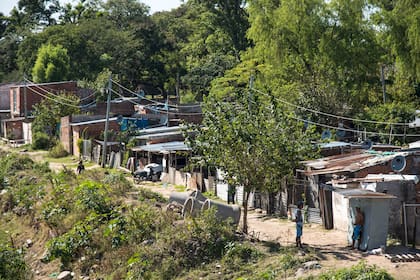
(74, 128)
(24, 96)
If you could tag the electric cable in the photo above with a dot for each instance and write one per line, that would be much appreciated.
(331, 115)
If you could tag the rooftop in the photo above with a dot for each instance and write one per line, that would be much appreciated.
(362, 193)
(163, 148)
(351, 162)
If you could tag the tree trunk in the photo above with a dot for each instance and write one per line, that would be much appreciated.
(270, 203)
(245, 218)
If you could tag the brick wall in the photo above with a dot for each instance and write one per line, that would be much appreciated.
(66, 134)
(35, 94)
(90, 131)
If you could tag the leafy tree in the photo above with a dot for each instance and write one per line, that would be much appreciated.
(324, 55)
(126, 13)
(48, 114)
(40, 12)
(391, 112)
(253, 139)
(212, 46)
(83, 10)
(231, 17)
(52, 64)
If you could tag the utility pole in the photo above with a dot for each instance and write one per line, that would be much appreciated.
(167, 109)
(108, 105)
(25, 104)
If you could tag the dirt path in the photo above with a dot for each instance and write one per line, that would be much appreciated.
(329, 245)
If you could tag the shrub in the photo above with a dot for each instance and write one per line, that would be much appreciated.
(239, 253)
(93, 196)
(182, 246)
(357, 272)
(72, 244)
(41, 141)
(117, 182)
(145, 194)
(26, 194)
(12, 263)
(58, 151)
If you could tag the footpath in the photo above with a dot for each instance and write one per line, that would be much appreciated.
(330, 245)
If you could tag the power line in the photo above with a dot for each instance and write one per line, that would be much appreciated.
(154, 101)
(55, 99)
(32, 84)
(332, 115)
(344, 129)
(356, 131)
(155, 109)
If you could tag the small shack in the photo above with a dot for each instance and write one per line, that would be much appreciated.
(403, 187)
(375, 207)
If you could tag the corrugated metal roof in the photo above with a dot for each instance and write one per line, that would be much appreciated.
(349, 162)
(158, 135)
(362, 193)
(164, 148)
(374, 178)
(392, 177)
(92, 122)
(334, 144)
(161, 129)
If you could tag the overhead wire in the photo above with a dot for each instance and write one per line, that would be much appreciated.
(56, 99)
(154, 101)
(356, 131)
(351, 130)
(331, 115)
(32, 84)
(155, 109)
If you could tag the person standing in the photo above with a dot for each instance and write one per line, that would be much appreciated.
(299, 224)
(358, 228)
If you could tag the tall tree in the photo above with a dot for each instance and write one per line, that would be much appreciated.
(323, 54)
(251, 137)
(40, 12)
(231, 17)
(52, 64)
(48, 114)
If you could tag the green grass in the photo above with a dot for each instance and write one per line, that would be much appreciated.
(180, 188)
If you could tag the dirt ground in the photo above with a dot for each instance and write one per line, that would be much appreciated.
(329, 245)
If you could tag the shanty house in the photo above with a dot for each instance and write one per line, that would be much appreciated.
(375, 207)
(319, 174)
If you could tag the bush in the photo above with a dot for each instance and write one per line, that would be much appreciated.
(117, 182)
(239, 253)
(41, 141)
(357, 272)
(12, 263)
(58, 151)
(93, 196)
(72, 244)
(182, 246)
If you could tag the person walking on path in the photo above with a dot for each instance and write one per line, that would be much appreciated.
(299, 224)
(80, 167)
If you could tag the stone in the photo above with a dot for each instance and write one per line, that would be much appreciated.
(300, 272)
(311, 265)
(28, 243)
(64, 275)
